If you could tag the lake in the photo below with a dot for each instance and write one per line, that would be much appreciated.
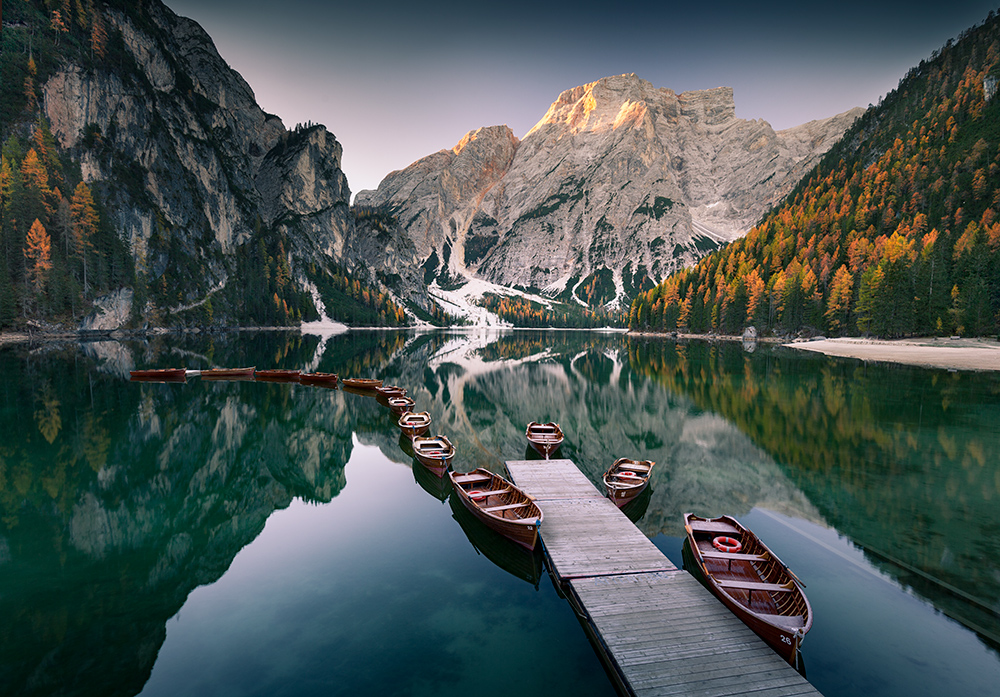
(251, 538)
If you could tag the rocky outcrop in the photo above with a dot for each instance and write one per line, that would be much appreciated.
(191, 169)
(618, 175)
(110, 312)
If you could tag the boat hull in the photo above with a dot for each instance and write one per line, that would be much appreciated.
(386, 392)
(323, 379)
(435, 454)
(785, 623)
(361, 385)
(522, 530)
(414, 424)
(276, 376)
(159, 375)
(228, 374)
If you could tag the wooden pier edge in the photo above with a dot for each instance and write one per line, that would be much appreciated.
(655, 628)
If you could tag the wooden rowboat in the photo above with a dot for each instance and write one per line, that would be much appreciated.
(228, 374)
(277, 375)
(751, 581)
(545, 438)
(362, 385)
(385, 392)
(500, 505)
(414, 424)
(325, 379)
(159, 375)
(434, 453)
(626, 479)
(401, 405)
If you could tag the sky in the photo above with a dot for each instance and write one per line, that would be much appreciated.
(396, 80)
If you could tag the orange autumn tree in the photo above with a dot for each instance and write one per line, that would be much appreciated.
(38, 255)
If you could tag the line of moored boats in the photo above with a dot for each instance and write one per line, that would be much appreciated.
(734, 563)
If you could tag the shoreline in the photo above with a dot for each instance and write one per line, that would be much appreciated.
(949, 353)
(979, 354)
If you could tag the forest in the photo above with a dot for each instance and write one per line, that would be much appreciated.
(522, 312)
(895, 233)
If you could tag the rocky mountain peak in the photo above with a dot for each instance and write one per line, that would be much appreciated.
(619, 183)
(486, 137)
(628, 100)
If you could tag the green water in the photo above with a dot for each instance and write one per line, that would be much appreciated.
(244, 538)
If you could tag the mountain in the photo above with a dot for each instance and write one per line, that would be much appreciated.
(894, 233)
(197, 193)
(620, 182)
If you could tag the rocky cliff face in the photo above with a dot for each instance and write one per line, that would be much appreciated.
(191, 168)
(618, 176)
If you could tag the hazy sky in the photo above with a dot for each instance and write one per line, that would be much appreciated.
(398, 80)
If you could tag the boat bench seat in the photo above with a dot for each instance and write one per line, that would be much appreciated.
(507, 507)
(461, 479)
(707, 526)
(479, 494)
(733, 556)
(755, 586)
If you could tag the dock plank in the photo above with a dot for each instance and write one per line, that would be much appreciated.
(552, 479)
(661, 631)
(712, 653)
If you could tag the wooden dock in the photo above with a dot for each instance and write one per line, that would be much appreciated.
(659, 630)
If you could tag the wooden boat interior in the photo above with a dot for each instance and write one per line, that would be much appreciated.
(438, 447)
(362, 383)
(401, 405)
(751, 576)
(496, 496)
(545, 433)
(630, 472)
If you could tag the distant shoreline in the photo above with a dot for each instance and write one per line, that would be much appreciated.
(950, 353)
(929, 352)
(954, 353)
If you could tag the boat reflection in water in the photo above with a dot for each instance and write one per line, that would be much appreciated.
(438, 487)
(406, 445)
(516, 560)
(635, 509)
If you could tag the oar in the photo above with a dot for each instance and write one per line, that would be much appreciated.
(792, 574)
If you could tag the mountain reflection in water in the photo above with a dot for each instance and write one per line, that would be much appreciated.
(118, 499)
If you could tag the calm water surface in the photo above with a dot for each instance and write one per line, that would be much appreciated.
(243, 538)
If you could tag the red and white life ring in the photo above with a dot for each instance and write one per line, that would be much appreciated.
(727, 544)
